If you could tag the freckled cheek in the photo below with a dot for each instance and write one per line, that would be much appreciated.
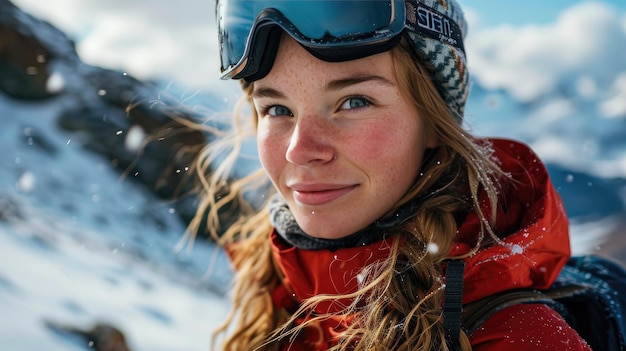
(374, 146)
(388, 156)
(271, 154)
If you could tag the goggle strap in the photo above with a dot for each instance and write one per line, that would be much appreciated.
(264, 58)
(346, 54)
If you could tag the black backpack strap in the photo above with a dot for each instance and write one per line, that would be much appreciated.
(453, 303)
(478, 312)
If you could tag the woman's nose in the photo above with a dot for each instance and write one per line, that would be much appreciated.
(311, 141)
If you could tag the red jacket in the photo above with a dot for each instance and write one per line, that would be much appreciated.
(531, 222)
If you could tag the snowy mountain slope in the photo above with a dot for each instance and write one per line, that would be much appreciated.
(80, 245)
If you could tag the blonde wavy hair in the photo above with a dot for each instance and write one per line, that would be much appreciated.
(451, 178)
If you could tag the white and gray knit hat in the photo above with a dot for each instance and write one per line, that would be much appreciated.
(440, 44)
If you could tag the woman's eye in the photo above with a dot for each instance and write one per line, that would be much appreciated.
(354, 102)
(278, 110)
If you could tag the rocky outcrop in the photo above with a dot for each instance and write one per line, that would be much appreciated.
(101, 337)
(141, 131)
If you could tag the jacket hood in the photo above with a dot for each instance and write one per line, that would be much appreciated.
(531, 223)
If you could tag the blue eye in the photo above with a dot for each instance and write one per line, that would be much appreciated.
(354, 102)
(279, 110)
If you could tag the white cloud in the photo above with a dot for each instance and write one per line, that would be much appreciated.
(615, 106)
(586, 86)
(552, 112)
(531, 60)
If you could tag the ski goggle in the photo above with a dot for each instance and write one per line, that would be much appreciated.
(332, 30)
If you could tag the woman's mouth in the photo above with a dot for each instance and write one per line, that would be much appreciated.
(316, 195)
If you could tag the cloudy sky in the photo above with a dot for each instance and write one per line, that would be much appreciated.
(535, 42)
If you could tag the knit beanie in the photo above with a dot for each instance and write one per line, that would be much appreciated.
(441, 49)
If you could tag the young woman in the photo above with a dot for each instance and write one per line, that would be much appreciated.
(383, 215)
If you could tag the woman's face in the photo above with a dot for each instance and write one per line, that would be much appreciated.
(339, 141)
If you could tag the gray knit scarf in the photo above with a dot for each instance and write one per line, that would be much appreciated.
(285, 224)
